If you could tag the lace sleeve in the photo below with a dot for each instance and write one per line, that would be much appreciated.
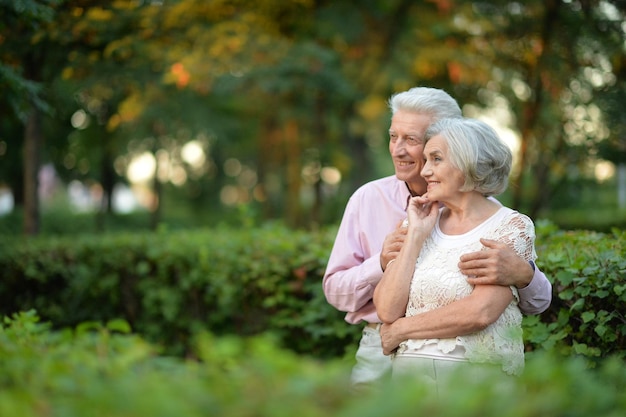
(518, 232)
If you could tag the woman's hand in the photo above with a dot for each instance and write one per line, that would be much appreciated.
(390, 340)
(422, 214)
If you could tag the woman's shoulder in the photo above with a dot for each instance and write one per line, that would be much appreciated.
(515, 215)
(515, 219)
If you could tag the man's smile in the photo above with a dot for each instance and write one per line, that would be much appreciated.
(405, 163)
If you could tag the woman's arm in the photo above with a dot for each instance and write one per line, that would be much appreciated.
(392, 292)
(467, 315)
(472, 313)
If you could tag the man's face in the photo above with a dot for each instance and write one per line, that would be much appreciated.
(406, 146)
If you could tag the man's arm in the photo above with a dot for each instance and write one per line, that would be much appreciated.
(352, 272)
(349, 284)
(392, 245)
(536, 297)
(500, 265)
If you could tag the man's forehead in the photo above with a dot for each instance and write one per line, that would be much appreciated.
(410, 123)
(408, 130)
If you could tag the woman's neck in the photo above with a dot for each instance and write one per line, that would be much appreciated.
(461, 216)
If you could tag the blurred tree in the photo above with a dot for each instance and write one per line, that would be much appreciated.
(312, 77)
(274, 92)
(23, 74)
(105, 66)
(614, 147)
(543, 60)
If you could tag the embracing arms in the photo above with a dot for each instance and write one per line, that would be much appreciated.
(467, 315)
(497, 268)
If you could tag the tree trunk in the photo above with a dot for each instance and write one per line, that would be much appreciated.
(621, 185)
(269, 155)
(532, 110)
(157, 200)
(107, 180)
(294, 172)
(32, 144)
(156, 209)
(321, 132)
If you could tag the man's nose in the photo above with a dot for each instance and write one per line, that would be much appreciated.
(399, 147)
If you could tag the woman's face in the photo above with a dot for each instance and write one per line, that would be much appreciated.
(443, 179)
(406, 146)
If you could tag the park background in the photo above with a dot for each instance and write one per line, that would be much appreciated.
(170, 168)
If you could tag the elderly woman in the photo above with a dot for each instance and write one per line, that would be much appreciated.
(465, 164)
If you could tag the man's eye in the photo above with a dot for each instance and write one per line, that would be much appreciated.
(393, 138)
(412, 141)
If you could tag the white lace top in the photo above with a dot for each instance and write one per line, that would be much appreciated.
(437, 281)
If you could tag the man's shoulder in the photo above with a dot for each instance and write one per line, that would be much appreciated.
(380, 201)
(390, 183)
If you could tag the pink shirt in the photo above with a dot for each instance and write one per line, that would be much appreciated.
(354, 269)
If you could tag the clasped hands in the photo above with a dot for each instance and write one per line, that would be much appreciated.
(495, 264)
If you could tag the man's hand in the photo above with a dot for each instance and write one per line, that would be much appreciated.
(389, 339)
(392, 244)
(497, 265)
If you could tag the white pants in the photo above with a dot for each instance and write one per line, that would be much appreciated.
(372, 366)
(438, 376)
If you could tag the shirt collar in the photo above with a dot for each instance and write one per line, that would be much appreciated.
(408, 196)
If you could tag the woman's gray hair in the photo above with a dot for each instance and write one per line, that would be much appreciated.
(425, 100)
(476, 149)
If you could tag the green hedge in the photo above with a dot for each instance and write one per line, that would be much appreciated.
(101, 370)
(171, 285)
(588, 311)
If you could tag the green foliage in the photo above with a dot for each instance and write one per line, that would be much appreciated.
(293, 87)
(587, 315)
(22, 18)
(170, 285)
(101, 370)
